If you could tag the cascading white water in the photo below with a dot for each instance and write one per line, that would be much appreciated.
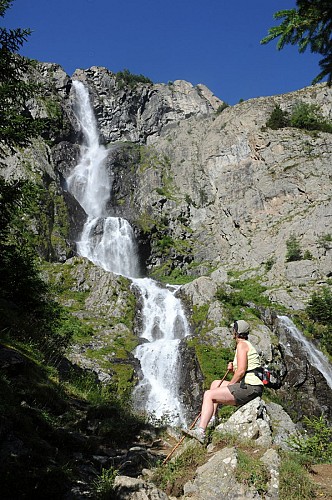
(90, 182)
(315, 356)
(109, 242)
(164, 326)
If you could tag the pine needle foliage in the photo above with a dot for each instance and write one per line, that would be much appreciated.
(320, 306)
(17, 125)
(278, 119)
(130, 79)
(309, 25)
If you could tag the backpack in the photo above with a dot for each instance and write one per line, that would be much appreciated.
(268, 376)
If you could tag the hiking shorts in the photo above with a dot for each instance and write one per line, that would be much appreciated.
(245, 393)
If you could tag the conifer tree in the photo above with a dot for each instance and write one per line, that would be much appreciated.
(308, 25)
(16, 123)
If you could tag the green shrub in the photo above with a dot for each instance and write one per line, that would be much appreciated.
(177, 471)
(294, 251)
(307, 116)
(125, 77)
(317, 445)
(278, 118)
(303, 116)
(307, 255)
(213, 362)
(269, 263)
(246, 292)
(319, 307)
(28, 309)
(104, 484)
(165, 242)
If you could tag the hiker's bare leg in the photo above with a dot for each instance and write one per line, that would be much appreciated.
(214, 385)
(214, 396)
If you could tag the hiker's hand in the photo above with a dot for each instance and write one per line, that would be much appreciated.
(230, 366)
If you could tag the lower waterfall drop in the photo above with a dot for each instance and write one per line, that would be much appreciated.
(109, 242)
(164, 326)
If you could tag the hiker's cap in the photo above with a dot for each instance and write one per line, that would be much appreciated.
(241, 326)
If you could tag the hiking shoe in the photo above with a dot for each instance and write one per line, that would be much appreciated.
(213, 422)
(197, 433)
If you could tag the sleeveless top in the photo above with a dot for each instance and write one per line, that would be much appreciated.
(253, 362)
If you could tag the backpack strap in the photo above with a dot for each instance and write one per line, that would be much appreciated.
(258, 371)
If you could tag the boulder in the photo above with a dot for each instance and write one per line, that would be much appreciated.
(282, 425)
(215, 479)
(129, 488)
(250, 421)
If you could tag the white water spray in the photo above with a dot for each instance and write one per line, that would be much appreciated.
(315, 356)
(109, 242)
(164, 326)
(90, 182)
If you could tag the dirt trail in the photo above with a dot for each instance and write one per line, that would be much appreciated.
(322, 476)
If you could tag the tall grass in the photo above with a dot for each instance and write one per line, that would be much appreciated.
(294, 481)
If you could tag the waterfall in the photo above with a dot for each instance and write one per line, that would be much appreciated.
(109, 242)
(164, 326)
(90, 183)
(315, 356)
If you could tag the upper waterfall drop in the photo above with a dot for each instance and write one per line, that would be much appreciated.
(109, 242)
(90, 182)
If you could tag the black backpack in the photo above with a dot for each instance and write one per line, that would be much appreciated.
(268, 376)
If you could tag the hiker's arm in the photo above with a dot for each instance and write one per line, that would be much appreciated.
(242, 363)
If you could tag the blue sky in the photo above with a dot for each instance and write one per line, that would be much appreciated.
(214, 42)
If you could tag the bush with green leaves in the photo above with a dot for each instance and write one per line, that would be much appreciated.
(177, 471)
(221, 108)
(307, 116)
(303, 116)
(270, 263)
(246, 292)
(325, 241)
(251, 472)
(316, 320)
(213, 361)
(28, 310)
(317, 444)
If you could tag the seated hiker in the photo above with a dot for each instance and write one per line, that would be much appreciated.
(242, 388)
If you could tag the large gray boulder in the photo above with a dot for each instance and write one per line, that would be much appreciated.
(250, 421)
(129, 488)
(215, 479)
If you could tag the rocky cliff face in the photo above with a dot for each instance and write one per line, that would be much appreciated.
(222, 188)
(226, 190)
(206, 187)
